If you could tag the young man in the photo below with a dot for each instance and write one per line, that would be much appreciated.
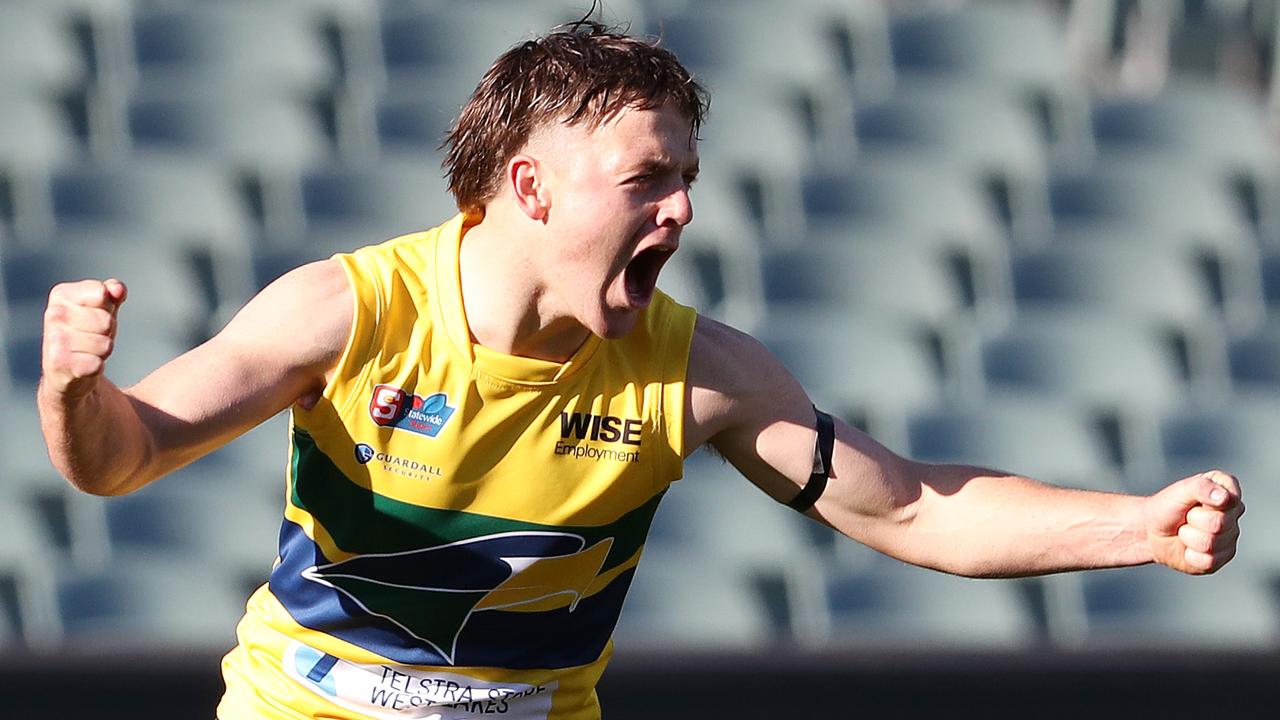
(486, 414)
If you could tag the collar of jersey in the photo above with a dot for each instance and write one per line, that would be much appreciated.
(452, 315)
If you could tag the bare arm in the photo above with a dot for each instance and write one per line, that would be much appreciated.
(962, 520)
(109, 441)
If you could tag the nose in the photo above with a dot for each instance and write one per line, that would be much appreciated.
(676, 208)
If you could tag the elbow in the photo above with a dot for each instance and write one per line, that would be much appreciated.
(103, 480)
(99, 485)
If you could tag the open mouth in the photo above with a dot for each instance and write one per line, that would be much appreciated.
(641, 274)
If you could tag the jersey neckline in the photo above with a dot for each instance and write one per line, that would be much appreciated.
(451, 313)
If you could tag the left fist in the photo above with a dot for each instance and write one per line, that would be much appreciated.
(1193, 525)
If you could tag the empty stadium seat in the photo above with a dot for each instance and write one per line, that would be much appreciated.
(259, 47)
(1213, 125)
(244, 132)
(1095, 361)
(745, 38)
(1158, 200)
(38, 48)
(922, 205)
(1049, 441)
(711, 505)
(896, 279)
(862, 365)
(1153, 606)
(990, 135)
(1254, 360)
(895, 605)
(371, 203)
(180, 200)
(685, 600)
(1124, 279)
(144, 601)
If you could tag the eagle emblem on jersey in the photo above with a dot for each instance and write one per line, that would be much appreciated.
(431, 593)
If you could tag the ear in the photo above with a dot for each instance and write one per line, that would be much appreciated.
(528, 186)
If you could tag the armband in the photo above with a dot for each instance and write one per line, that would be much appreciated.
(822, 449)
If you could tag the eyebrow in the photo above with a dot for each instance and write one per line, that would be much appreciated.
(666, 164)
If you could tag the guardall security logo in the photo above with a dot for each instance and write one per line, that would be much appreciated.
(395, 408)
(366, 453)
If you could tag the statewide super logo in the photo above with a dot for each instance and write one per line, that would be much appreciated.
(392, 407)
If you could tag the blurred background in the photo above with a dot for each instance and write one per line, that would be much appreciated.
(1042, 236)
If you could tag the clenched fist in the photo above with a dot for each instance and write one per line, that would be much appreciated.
(79, 334)
(1193, 524)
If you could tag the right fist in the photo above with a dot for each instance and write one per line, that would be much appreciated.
(79, 333)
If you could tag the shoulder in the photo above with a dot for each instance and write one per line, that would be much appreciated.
(733, 381)
(303, 317)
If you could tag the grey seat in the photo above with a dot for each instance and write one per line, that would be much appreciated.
(894, 605)
(142, 601)
(872, 370)
(1053, 442)
(249, 133)
(926, 206)
(714, 502)
(1100, 277)
(1211, 124)
(1254, 362)
(1154, 607)
(276, 47)
(38, 49)
(1167, 203)
(1099, 361)
(366, 203)
(177, 200)
(898, 280)
(686, 601)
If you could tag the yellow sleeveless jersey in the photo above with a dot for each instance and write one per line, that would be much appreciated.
(461, 526)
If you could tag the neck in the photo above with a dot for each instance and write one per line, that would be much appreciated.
(507, 306)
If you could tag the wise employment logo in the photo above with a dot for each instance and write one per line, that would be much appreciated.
(395, 408)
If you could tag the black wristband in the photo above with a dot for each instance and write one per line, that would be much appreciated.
(821, 464)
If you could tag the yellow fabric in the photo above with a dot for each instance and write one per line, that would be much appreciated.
(448, 503)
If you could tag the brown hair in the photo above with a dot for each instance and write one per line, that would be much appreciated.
(579, 73)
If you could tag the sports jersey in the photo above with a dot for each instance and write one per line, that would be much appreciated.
(461, 525)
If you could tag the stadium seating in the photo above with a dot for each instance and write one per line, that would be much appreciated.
(1152, 607)
(1051, 442)
(894, 605)
(963, 226)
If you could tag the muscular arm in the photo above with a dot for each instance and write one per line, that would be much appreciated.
(962, 520)
(109, 441)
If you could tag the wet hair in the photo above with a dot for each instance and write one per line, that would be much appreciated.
(580, 73)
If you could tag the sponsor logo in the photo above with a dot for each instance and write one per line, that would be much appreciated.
(536, 571)
(365, 453)
(393, 691)
(575, 428)
(393, 407)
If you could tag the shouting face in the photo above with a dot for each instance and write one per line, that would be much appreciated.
(616, 197)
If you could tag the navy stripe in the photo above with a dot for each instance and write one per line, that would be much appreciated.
(322, 668)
